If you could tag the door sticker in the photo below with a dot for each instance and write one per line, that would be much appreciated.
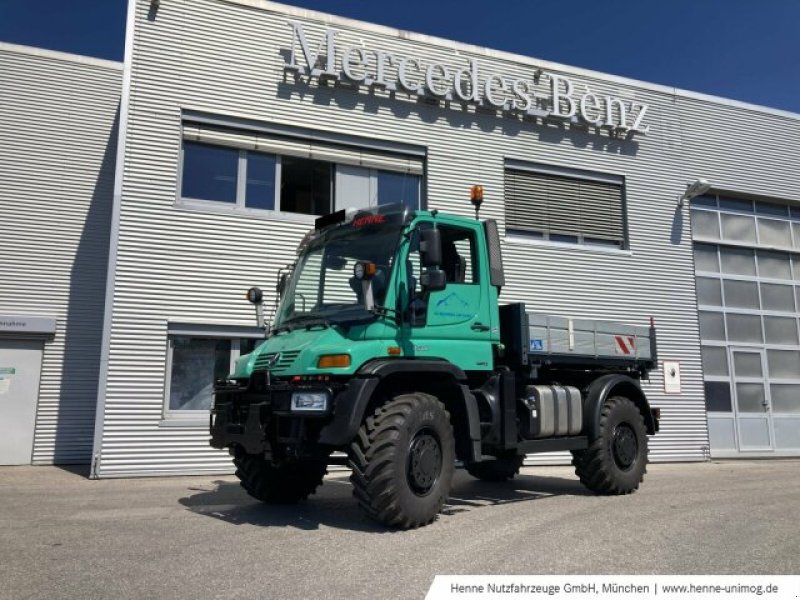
(536, 345)
(7, 371)
(453, 305)
(5, 385)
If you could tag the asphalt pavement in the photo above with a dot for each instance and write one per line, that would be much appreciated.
(64, 536)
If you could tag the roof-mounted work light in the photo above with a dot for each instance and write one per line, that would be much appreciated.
(476, 197)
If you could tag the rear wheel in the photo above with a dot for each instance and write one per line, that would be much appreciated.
(402, 461)
(501, 469)
(281, 484)
(616, 461)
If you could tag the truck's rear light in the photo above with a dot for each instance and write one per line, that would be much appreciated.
(333, 361)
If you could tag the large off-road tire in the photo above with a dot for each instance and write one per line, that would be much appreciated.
(616, 461)
(501, 469)
(403, 461)
(284, 484)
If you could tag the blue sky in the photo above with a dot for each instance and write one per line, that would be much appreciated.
(743, 49)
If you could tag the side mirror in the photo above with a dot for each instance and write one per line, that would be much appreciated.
(255, 296)
(430, 247)
(282, 284)
(433, 280)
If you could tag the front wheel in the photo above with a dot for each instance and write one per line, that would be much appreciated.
(278, 484)
(616, 461)
(403, 461)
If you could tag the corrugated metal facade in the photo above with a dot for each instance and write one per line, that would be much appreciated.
(181, 264)
(58, 124)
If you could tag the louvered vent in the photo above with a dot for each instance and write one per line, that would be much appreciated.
(285, 360)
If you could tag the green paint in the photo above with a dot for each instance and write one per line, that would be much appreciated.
(7, 371)
(447, 334)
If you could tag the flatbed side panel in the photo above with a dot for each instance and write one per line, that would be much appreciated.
(551, 336)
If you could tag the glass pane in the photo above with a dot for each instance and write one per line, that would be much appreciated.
(734, 205)
(747, 364)
(744, 328)
(709, 291)
(705, 224)
(780, 330)
(774, 265)
(768, 208)
(715, 360)
(796, 232)
(796, 258)
(785, 397)
(711, 326)
(209, 172)
(196, 364)
(738, 228)
(741, 294)
(705, 258)
(774, 233)
(709, 201)
(738, 261)
(718, 396)
(784, 364)
(247, 345)
(400, 188)
(751, 397)
(305, 186)
(260, 192)
(777, 297)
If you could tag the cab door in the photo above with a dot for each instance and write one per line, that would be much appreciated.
(453, 323)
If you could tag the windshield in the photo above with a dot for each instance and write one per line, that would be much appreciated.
(323, 286)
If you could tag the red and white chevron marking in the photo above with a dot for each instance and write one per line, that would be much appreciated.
(626, 344)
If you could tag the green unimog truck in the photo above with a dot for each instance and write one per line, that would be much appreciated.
(391, 353)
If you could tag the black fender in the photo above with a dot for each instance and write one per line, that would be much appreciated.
(351, 405)
(603, 387)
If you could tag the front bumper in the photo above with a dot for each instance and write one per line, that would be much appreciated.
(257, 416)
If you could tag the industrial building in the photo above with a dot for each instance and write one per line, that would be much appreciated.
(138, 201)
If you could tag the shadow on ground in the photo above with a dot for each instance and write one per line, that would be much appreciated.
(334, 506)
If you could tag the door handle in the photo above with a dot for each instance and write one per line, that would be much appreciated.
(479, 327)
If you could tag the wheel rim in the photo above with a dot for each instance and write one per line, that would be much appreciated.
(624, 446)
(424, 462)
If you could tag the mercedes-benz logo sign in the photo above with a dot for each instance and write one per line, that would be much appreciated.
(273, 360)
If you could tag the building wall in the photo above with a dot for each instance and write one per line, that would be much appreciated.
(58, 119)
(226, 58)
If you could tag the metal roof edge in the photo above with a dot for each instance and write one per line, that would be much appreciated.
(334, 20)
(62, 56)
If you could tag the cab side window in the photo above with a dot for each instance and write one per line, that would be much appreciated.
(458, 255)
(459, 263)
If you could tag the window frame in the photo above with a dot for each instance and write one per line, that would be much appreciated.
(240, 204)
(533, 238)
(194, 417)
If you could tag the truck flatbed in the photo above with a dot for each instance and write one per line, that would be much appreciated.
(541, 339)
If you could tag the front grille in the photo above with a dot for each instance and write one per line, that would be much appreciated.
(285, 360)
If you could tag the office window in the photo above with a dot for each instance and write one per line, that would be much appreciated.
(249, 179)
(560, 208)
(260, 178)
(306, 186)
(398, 188)
(195, 363)
(210, 172)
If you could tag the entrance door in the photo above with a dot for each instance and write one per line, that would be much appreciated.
(751, 394)
(20, 365)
